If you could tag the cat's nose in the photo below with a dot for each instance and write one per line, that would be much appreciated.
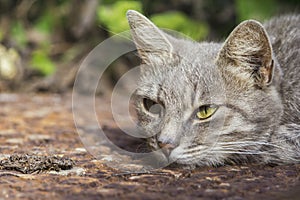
(166, 148)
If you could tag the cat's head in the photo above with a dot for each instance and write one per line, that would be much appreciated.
(206, 103)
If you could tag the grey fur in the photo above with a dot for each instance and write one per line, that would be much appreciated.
(253, 78)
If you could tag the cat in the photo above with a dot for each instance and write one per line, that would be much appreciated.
(211, 104)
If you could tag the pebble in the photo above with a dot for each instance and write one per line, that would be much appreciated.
(78, 171)
(15, 140)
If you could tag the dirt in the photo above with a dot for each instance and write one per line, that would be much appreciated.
(42, 157)
(29, 164)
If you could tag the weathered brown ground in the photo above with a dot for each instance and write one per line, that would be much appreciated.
(42, 124)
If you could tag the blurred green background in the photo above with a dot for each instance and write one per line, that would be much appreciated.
(42, 42)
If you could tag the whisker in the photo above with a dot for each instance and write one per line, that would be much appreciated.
(243, 153)
(248, 143)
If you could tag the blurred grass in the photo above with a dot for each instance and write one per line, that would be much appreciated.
(41, 62)
(37, 30)
(180, 22)
(45, 23)
(18, 33)
(255, 9)
(113, 16)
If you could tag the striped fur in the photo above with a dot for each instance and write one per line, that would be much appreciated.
(253, 79)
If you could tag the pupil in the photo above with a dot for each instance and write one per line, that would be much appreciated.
(151, 106)
(155, 109)
(147, 104)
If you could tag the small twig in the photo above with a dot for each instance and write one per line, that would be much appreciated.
(9, 174)
(130, 174)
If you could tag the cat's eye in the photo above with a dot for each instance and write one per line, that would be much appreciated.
(206, 111)
(152, 106)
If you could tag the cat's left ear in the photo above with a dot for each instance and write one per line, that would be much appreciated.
(249, 50)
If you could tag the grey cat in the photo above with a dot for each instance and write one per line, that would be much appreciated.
(213, 104)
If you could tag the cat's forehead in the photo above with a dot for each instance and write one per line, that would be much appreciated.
(195, 64)
(190, 78)
(201, 55)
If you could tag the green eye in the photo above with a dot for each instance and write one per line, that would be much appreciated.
(206, 111)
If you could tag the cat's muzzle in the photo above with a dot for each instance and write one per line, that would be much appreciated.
(166, 148)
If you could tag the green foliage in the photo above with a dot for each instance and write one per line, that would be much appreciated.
(255, 9)
(41, 62)
(179, 22)
(18, 34)
(40, 59)
(1, 34)
(113, 15)
(45, 23)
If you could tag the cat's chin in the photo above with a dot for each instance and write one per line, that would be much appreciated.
(178, 156)
(181, 166)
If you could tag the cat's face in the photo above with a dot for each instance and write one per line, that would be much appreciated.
(205, 104)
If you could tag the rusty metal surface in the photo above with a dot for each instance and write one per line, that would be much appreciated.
(42, 125)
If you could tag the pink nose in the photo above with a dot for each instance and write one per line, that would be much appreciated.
(166, 148)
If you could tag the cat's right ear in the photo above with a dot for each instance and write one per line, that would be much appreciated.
(247, 53)
(153, 46)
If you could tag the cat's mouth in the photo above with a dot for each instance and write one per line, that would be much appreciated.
(199, 155)
(172, 154)
(166, 148)
(178, 154)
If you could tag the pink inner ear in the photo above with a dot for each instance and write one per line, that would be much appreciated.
(267, 73)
